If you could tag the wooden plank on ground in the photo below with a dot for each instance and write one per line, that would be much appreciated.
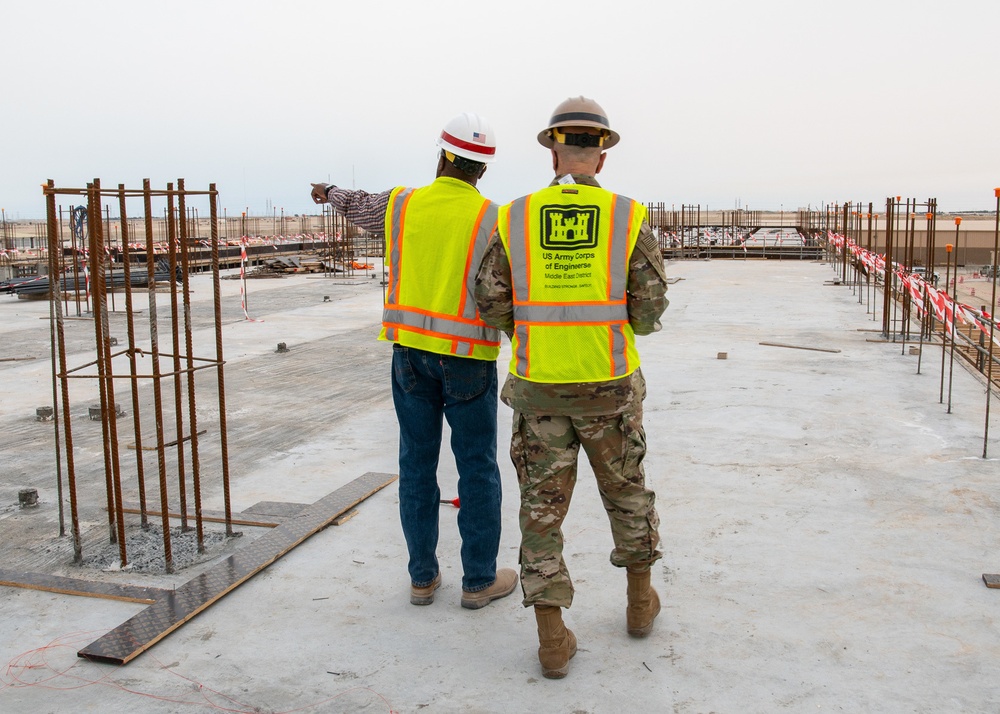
(87, 588)
(798, 347)
(341, 520)
(148, 627)
(207, 516)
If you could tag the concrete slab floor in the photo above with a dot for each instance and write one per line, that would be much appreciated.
(825, 525)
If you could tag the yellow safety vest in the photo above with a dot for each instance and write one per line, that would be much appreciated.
(435, 238)
(569, 247)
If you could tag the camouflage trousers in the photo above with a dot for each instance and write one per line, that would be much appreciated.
(544, 450)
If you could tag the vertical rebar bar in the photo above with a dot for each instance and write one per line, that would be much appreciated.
(64, 389)
(952, 331)
(890, 210)
(54, 307)
(993, 323)
(96, 255)
(109, 413)
(907, 301)
(154, 346)
(217, 293)
(866, 293)
(928, 274)
(133, 365)
(843, 252)
(190, 377)
(65, 293)
(944, 324)
(110, 250)
(176, 350)
(76, 263)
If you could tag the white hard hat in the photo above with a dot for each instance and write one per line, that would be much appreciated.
(470, 136)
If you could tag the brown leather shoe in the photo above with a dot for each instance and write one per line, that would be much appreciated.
(425, 595)
(556, 642)
(643, 604)
(502, 587)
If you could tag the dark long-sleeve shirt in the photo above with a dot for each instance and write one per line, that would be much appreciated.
(363, 209)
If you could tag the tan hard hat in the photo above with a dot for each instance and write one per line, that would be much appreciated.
(579, 111)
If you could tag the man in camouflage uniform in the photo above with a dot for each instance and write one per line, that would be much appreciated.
(552, 419)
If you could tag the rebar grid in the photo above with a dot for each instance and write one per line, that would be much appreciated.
(102, 251)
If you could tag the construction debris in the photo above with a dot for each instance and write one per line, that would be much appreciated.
(302, 263)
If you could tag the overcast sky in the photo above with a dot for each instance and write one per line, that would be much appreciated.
(768, 104)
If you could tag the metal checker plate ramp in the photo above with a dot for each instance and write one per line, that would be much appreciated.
(73, 586)
(145, 629)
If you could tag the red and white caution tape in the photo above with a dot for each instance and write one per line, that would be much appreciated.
(243, 280)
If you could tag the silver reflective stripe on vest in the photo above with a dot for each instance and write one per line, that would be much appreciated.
(439, 325)
(619, 247)
(396, 226)
(518, 249)
(479, 241)
(599, 314)
(521, 332)
(620, 365)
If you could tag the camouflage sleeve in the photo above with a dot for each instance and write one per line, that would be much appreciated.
(494, 291)
(647, 284)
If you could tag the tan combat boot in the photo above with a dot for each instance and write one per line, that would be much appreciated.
(556, 642)
(643, 604)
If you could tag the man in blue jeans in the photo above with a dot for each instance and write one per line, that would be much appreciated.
(443, 355)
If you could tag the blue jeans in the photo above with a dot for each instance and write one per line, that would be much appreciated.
(426, 387)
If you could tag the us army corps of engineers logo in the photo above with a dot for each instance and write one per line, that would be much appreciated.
(569, 227)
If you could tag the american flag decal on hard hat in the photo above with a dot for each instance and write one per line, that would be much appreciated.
(478, 137)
